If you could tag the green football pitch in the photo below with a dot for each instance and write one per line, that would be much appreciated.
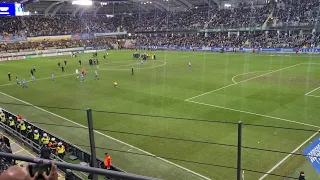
(260, 89)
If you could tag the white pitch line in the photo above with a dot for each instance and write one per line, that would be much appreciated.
(262, 115)
(242, 81)
(112, 138)
(312, 91)
(313, 96)
(285, 158)
(244, 74)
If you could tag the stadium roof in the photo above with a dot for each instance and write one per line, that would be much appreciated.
(52, 7)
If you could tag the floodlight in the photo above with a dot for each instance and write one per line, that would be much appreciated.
(82, 2)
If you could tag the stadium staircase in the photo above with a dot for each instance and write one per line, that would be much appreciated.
(24, 24)
(268, 19)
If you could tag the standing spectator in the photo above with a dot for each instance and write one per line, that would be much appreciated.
(107, 161)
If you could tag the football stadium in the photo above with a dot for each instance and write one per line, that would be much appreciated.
(159, 89)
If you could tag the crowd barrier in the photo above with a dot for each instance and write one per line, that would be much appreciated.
(230, 49)
(81, 154)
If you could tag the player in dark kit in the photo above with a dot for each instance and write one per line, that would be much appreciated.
(31, 72)
(79, 62)
(59, 65)
(104, 57)
(65, 63)
(132, 71)
(9, 76)
(62, 68)
(97, 61)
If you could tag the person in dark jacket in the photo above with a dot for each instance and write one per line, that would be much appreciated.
(45, 152)
(4, 140)
(301, 177)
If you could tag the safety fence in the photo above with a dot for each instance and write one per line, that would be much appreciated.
(238, 145)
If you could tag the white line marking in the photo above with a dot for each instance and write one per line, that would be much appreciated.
(313, 96)
(133, 147)
(284, 159)
(164, 63)
(312, 91)
(244, 74)
(281, 119)
(242, 81)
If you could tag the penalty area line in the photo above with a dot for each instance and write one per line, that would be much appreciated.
(312, 91)
(252, 113)
(244, 74)
(112, 138)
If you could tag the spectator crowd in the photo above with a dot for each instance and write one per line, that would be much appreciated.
(273, 13)
(245, 39)
(56, 44)
(284, 12)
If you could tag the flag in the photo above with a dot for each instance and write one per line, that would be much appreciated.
(247, 42)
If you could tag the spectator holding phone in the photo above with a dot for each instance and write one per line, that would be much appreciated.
(22, 173)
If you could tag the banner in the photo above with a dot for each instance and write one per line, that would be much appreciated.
(48, 38)
(12, 58)
(110, 34)
(312, 153)
(12, 39)
(82, 36)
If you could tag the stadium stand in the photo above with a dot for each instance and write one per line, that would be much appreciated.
(244, 15)
(72, 151)
(55, 44)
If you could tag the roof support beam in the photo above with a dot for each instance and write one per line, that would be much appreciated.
(186, 2)
(127, 7)
(46, 12)
(181, 4)
(76, 10)
(217, 2)
(161, 5)
(83, 10)
(54, 12)
(96, 11)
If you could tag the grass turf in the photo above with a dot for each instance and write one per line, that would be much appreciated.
(161, 88)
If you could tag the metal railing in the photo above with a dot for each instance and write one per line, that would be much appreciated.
(81, 154)
(91, 170)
